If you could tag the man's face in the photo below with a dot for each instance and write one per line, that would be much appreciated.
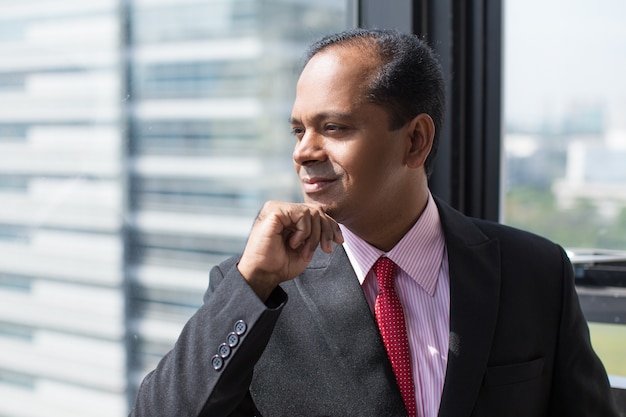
(347, 158)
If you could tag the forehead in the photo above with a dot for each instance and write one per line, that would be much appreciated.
(359, 60)
(336, 76)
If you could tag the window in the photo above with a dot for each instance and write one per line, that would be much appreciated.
(564, 148)
(565, 107)
(133, 136)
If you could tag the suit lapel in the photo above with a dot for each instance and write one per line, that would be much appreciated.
(474, 262)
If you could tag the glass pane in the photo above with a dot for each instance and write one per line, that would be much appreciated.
(565, 148)
(138, 139)
(565, 112)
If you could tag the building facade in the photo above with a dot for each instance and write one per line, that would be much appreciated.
(138, 140)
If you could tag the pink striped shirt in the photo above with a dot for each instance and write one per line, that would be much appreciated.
(423, 286)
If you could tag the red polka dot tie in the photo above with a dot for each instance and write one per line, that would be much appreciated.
(390, 319)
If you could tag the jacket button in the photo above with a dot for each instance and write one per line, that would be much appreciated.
(233, 339)
(240, 327)
(217, 362)
(224, 350)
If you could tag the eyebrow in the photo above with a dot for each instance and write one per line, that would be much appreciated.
(326, 115)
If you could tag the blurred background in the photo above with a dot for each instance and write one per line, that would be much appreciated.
(139, 138)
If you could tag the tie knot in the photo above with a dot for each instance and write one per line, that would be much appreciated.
(384, 268)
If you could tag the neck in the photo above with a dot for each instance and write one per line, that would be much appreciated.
(390, 228)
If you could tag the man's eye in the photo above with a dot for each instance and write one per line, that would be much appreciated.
(297, 131)
(334, 128)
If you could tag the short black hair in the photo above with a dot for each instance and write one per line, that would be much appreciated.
(409, 80)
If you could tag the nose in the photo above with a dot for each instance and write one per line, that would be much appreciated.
(309, 149)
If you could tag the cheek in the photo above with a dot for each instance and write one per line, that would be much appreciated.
(353, 153)
(360, 159)
(368, 160)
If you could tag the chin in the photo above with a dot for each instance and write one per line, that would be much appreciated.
(333, 211)
(327, 207)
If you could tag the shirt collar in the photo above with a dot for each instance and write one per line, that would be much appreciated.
(419, 253)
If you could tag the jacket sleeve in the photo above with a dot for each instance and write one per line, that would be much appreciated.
(580, 385)
(209, 370)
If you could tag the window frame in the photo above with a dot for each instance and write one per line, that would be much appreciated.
(467, 36)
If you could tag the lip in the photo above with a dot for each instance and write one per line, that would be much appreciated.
(315, 184)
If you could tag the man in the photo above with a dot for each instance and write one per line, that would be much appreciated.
(299, 324)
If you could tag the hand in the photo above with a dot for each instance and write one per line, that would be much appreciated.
(282, 242)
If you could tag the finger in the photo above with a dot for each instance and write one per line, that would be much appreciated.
(331, 233)
(300, 224)
(328, 234)
(314, 237)
(337, 234)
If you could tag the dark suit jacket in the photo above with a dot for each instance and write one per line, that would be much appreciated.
(519, 345)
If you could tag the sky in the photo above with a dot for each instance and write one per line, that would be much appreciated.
(558, 53)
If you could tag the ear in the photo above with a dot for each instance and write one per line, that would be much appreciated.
(421, 134)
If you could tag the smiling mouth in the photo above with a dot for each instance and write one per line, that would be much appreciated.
(312, 185)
